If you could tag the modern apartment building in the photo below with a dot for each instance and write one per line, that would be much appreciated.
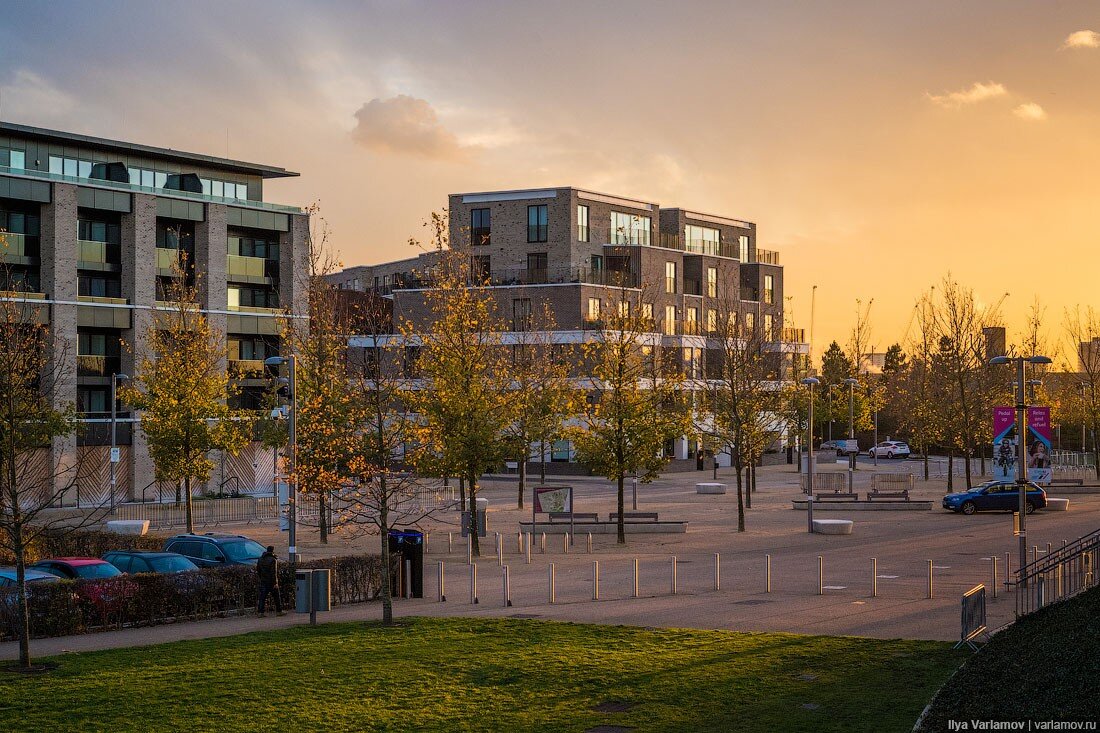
(577, 251)
(93, 232)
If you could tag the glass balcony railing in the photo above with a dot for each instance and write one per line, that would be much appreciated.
(167, 261)
(97, 253)
(22, 295)
(14, 245)
(242, 266)
(133, 188)
(90, 365)
(102, 299)
(766, 256)
(247, 369)
(254, 309)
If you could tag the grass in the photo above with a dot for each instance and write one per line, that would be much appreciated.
(490, 675)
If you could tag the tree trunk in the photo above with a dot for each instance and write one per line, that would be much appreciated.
(461, 491)
(621, 528)
(542, 462)
(740, 497)
(950, 472)
(981, 458)
(322, 516)
(21, 585)
(187, 499)
(966, 469)
(1095, 453)
(750, 480)
(384, 525)
(522, 482)
(925, 461)
(473, 516)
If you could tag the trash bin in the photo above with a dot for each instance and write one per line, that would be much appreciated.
(482, 509)
(322, 589)
(302, 584)
(408, 547)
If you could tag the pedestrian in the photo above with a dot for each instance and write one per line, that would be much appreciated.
(267, 570)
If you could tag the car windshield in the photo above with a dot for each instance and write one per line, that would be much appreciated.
(169, 564)
(242, 550)
(97, 570)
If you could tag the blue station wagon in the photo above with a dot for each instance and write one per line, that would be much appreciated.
(994, 495)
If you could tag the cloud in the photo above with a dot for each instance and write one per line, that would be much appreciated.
(405, 125)
(978, 92)
(1082, 39)
(35, 98)
(1030, 111)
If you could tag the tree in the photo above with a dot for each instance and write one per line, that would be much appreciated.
(1082, 329)
(912, 398)
(181, 390)
(32, 368)
(634, 404)
(462, 400)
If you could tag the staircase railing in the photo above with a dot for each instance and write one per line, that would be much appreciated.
(1061, 574)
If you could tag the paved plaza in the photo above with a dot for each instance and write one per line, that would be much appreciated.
(902, 543)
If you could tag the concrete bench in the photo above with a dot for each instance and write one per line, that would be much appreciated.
(891, 495)
(837, 496)
(128, 526)
(1057, 505)
(833, 526)
(710, 488)
(576, 517)
(629, 517)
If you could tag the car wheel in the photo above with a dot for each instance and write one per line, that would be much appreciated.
(890, 455)
(969, 508)
(1030, 507)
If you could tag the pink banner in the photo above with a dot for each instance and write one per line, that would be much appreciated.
(1004, 418)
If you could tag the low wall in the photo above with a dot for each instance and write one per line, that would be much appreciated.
(865, 506)
(583, 528)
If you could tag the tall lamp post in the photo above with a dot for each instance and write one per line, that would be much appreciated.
(114, 431)
(292, 449)
(1021, 440)
(852, 383)
(810, 382)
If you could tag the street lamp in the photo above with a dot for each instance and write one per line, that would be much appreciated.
(852, 384)
(810, 382)
(1021, 440)
(292, 446)
(114, 430)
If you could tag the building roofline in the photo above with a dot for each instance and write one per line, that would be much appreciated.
(712, 218)
(517, 193)
(119, 146)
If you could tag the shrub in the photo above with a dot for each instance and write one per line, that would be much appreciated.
(147, 599)
(84, 543)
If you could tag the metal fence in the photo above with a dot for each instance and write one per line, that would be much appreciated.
(1062, 573)
(204, 512)
(827, 481)
(891, 482)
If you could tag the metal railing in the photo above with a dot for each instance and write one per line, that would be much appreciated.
(1062, 573)
(826, 481)
(204, 512)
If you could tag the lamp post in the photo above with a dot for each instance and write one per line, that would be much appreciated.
(114, 431)
(1021, 440)
(1083, 389)
(292, 449)
(852, 383)
(810, 382)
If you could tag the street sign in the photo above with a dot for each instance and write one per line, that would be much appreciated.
(115, 454)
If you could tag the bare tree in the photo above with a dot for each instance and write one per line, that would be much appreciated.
(1082, 330)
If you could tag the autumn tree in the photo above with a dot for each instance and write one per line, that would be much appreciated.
(1082, 331)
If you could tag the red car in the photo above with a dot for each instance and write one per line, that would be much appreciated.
(76, 568)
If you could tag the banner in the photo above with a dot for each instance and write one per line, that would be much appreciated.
(1005, 450)
(553, 499)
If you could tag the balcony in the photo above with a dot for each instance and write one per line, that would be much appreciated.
(97, 255)
(547, 276)
(95, 365)
(15, 249)
(750, 293)
(766, 257)
(168, 262)
(21, 295)
(794, 335)
(248, 369)
(101, 299)
(246, 269)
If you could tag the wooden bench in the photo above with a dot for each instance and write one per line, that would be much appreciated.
(891, 495)
(576, 517)
(837, 496)
(633, 517)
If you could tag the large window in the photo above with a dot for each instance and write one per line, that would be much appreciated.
(769, 289)
(769, 326)
(593, 309)
(712, 282)
(99, 286)
(743, 248)
(670, 278)
(582, 223)
(702, 240)
(537, 223)
(691, 321)
(479, 226)
(712, 321)
(670, 320)
(629, 228)
(13, 158)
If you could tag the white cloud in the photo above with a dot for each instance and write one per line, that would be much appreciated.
(33, 98)
(1030, 111)
(1082, 39)
(405, 125)
(978, 92)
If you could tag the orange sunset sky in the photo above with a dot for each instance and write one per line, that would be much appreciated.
(877, 145)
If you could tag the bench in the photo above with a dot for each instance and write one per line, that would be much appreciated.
(576, 517)
(837, 496)
(710, 488)
(633, 516)
(1057, 505)
(892, 495)
(833, 526)
(1068, 481)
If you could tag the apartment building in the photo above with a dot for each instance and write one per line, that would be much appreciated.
(578, 251)
(94, 231)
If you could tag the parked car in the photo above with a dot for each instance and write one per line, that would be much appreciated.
(890, 449)
(834, 446)
(7, 577)
(214, 550)
(1001, 495)
(143, 561)
(72, 568)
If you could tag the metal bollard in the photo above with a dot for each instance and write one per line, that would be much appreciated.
(469, 550)
(1008, 571)
(519, 543)
(427, 536)
(673, 575)
(1040, 590)
(993, 574)
(717, 571)
(874, 577)
(507, 586)
(500, 550)
(634, 593)
(565, 543)
(527, 549)
(768, 575)
(450, 542)
(820, 575)
(543, 543)
(595, 580)
(442, 588)
(550, 580)
(473, 584)
(589, 543)
(930, 579)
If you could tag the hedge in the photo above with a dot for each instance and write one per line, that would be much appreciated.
(148, 599)
(84, 543)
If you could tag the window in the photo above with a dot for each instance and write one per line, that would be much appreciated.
(99, 286)
(743, 248)
(12, 158)
(769, 289)
(582, 223)
(750, 323)
(537, 264)
(211, 552)
(712, 282)
(537, 220)
(521, 314)
(670, 320)
(479, 226)
(702, 240)
(629, 228)
(593, 309)
(712, 320)
(670, 278)
(480, 268)
(624, 309)
(647, 312)
(691, 321)
(411, 364)
(597, 263)
(769, 322)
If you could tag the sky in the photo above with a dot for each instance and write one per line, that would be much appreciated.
(879, 146)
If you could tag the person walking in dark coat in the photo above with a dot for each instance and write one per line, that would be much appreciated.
(267, 569)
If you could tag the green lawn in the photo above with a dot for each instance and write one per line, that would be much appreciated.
(491, 675)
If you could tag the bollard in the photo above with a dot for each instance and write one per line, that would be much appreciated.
(810, 513)
(550, 581)
(993, 574)
(673, 575)
(500, 550)
(565, 543)
(820, 575)
(469, 549)
(717, 571)
(543, 543)
(427, 536)
(507, 586)
(589, 543)
(930, 579)
(450, 542)
(1041, 592)
(473, 584)
(768, 575)
(1008, 572)
(634, 593)
(874, 577)
(442, 589)
(595, 580)
(519, 543)
(527, 548)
